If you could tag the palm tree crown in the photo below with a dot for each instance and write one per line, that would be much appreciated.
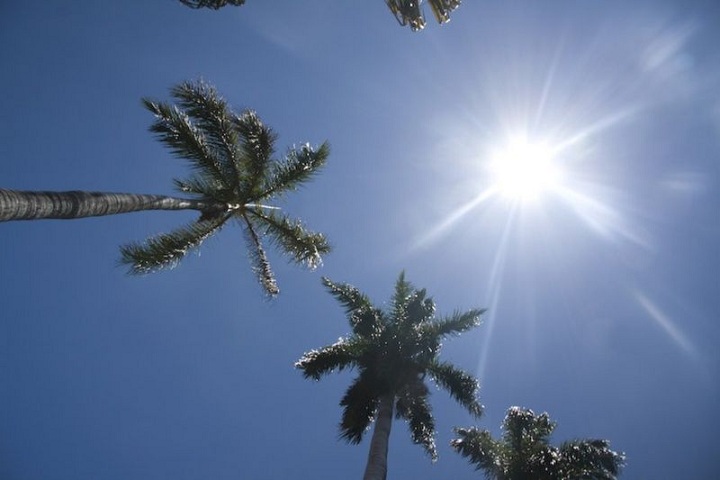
(235, 177)
(232, 155)
(524, 452)
(393, 351)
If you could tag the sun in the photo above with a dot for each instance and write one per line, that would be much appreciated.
(523, 170)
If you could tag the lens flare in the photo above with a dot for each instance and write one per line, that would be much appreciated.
(524, 170)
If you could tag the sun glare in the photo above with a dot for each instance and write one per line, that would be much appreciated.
(523, 170)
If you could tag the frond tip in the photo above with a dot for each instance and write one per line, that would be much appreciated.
(166, 250)
(298, 167)
(258, 259)
(301, 245)
(359, 404)
(462, 386)
(316, 363)
(409, 12)
(364, 318)
(413, 405)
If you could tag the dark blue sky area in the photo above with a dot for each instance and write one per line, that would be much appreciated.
(602, 291)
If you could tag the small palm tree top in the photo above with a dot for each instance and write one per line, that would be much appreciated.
(393, 351)
(524, 451)
(236, 175)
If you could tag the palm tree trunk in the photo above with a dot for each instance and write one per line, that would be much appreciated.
(376, 468)
(27, 205)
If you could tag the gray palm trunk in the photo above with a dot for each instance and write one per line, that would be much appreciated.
(376, 468)
(29, 205)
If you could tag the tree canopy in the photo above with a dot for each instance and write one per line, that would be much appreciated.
(524, 451)
(394, 352)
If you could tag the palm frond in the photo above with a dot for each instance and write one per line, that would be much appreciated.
(359, 407)
(201, 187)
(213, 4)
(338, 356)
(407, 12)
(522, 425)
(349, 297)
(175, 129)
(400, 298)
(299, 166)
(419, 309)
(442, 8)
(303, 247)
(253, 163)
(462, 386)
(412, 405)
(480, 449)
(590, 459)
(455, 324)
(168, 249)
(211, 114)
(364, 318)
(258, 259)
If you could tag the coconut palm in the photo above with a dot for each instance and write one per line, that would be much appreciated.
(235, 177)
(409, 12)
(524, 452)
(214, 4)
(393, 352)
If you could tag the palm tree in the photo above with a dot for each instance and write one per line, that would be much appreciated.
(235, 177)
(409, 12)
(393, 352)
(214, 4)
(524, 452)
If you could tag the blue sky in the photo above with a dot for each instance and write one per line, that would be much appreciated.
(603, 294)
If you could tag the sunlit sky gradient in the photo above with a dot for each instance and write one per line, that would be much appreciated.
(603, 294)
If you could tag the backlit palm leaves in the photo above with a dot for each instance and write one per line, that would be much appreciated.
(214, 4)
(393, 351)
(524, 452)
(409, 12)
(234, 169)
